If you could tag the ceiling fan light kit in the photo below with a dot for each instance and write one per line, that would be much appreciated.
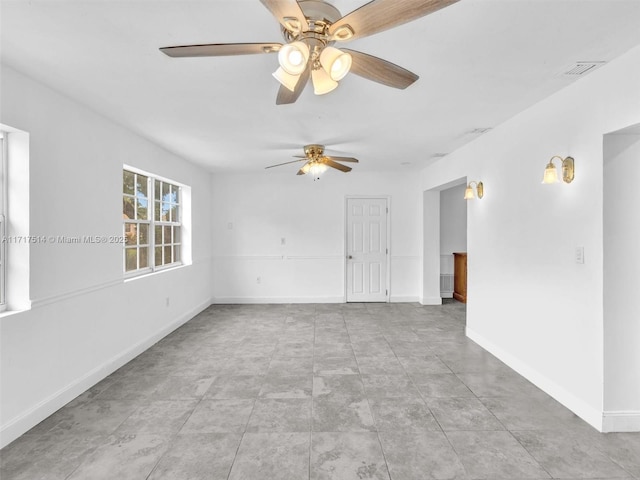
(293, 57)
(322, 82)
(335, 62)
(286, 79)
(316, 162)
(310, 29)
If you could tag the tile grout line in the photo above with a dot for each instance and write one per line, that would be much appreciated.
(255, 400)
(384, 457)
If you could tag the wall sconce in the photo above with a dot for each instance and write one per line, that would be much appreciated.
(468, 193)
(551, 172)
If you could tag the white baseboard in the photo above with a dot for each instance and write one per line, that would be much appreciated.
(621, 421)
(585, 411)
(274, 300)
(404, 299)
(34, 415)
(431, 301)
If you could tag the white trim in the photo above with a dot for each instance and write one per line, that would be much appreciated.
(404, 299)
(34, 415)
(4, 207)
(430, 301)
(149, 174)
(272, 300)
(588, 413)
(249, 257)
(621, 421)
(279, 257)
(41, 302)
(387, 198)
(314, 257)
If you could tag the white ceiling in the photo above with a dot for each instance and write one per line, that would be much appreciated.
(480, 62)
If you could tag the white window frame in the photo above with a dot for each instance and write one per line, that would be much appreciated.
(153, 223)
(4, 150)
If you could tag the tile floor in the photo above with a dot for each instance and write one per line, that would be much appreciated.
(296, 392)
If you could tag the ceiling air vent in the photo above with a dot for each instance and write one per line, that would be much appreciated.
(580, 68)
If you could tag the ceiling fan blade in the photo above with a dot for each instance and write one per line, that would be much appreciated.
(330, 163)
(285, 163)
(286, 96)
(220, 49)
(379, 70)
(287, 12)
(343, 159)
(380, 15)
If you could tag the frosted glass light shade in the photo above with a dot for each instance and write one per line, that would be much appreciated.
(468, 193)
(317, 168)
(550, 174)
(335, 62)
(289, 81)
(293, 57)
(322, 82)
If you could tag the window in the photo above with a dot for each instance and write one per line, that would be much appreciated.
(152, 224)
(3, 219)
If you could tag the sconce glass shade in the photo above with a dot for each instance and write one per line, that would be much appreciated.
(289, 81)
(335, 62)
(550, 174)
(468, 193)
(322, 82)
(293, 57)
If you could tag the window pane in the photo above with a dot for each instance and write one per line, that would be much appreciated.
(142, 208)
(173, 197)
(130, 233)
(165, 191)
(157, 211)
(131, 259)
(144, 257)
(127, 182)
(167, 255)
(157, 190)
(128, 208)
(167, 234)
(141, 186)
(143, 234)
(165, 212)
(174, 213)
(176, 253)
(158, 238)
(176, 234)
(158, 256)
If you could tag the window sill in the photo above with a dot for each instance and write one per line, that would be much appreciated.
(132, 277)
(8, 313)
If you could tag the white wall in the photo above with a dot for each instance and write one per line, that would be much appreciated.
(265, 208)
(529, 302)
(621, 283)
(85, 321)
(453, 220)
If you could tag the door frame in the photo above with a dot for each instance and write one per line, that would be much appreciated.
(346, 240)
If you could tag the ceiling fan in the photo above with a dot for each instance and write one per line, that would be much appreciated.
(317, 162)
(310, 29)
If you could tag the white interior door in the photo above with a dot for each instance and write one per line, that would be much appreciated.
(367, 250)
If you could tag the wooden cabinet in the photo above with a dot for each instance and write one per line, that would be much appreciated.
(460, 277)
